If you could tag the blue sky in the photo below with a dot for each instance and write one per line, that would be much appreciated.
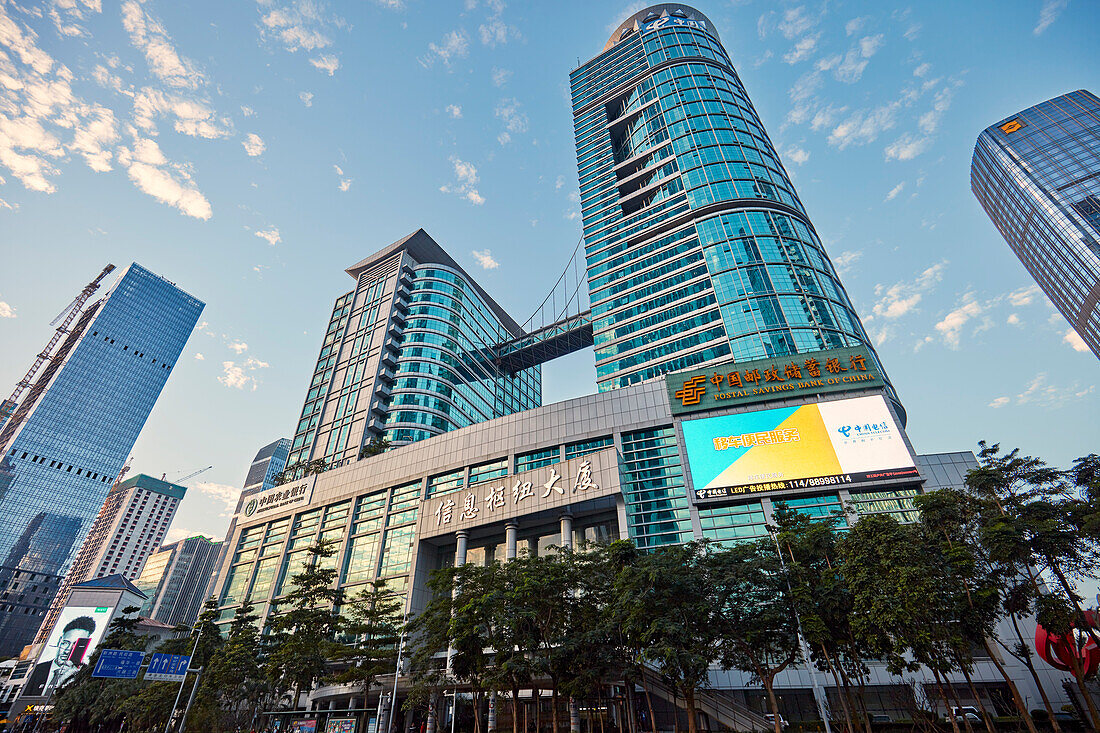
(249, 151)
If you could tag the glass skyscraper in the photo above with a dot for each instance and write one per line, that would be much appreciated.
(67, 453)
(269, 461)
(698, 247)
(1037, 175)
(406, 356)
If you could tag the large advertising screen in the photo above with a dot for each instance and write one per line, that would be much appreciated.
(820, 444)
(72, 641)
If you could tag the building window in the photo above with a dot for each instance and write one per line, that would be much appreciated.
(489, 471)
(574, 450)
(537, 459)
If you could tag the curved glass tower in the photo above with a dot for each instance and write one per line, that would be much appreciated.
(698, 247)
(1037, 175)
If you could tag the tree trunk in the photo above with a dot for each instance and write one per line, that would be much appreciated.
(773, 703)
(1017, 699)
(946, 702)
(554, 707)
(841, 690)
(958, 704)
(986, 718)
(515, 709)
(858, 710)
(649, 705)
(630, 721)
(1026, 659)
(689, 703)
(1079, 676)
(1078, 672)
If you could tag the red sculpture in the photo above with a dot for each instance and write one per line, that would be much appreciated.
(1059, 650)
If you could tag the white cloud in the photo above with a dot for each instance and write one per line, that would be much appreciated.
(1013, 319)
(150, 37)
(907, 147)
(454, 111)
(901, 298)
(199, 356)
(922, 70)
(855, 25)
(6, 311)
(514, 119)
(454, 45)
(864, 126)
(1070, 337)
(500, 76)
(270, 235)
(247, 111)
(951, 326)
(850, 70)
(999, 402)
(254, 145)
(485, 259)
(345, 183)
(495, 31)
(237, 347)
(170, 183)
(1025, 295)
(239, 376)
(466, 182)
(327, 63)
(1048, 14)
(1041, 393)
(223, 496)
(845, 261)
(192, 117)
(797, 155)
(390, 4)
(895, 191)
(306, 97)
(796, 21)
(941, 102)
(802, 49)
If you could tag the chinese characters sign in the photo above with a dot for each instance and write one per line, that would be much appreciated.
(559, 484)
(769, 379)
(279, 498)
(834, 443)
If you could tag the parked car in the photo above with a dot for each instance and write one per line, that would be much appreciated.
(880, 718)
(967, 711)
(770, 717)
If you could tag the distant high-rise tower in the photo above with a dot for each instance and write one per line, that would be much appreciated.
(69, 449)
(176, 577)
(269, 461)
(698, 247)
(129, 527)
(1037, 175)
(404, 357)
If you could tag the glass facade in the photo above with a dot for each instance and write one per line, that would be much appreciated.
(269, 460)
(698, 247)
(653, 486)
(66, 455)
(175, 580)
(406, 356)
(1037, 175)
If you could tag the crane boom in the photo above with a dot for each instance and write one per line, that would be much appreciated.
(191, 475)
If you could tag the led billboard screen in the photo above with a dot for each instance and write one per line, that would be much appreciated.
(819, 444)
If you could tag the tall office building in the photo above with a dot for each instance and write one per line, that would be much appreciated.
(405, 357)
(269, 461)
(175, 579)
(129, 527)
(1037, 175)
(699, 250)
(71, 446)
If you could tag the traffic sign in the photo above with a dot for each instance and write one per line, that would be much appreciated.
(167, 667)
(118, 664)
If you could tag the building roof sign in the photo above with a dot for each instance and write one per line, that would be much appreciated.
(761, 380)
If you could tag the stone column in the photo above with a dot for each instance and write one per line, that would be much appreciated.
(510, 531)
(567, 530)
(461, 536)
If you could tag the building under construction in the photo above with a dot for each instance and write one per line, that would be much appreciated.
(69, 426)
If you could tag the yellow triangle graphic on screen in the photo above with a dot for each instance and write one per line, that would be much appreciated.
(811, 455)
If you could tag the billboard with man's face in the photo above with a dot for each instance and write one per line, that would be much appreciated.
(75, 636)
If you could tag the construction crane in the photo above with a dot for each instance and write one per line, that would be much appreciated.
(19, 412)
(193, 474)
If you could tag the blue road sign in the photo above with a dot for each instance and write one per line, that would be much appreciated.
(118, 664)
(167, 667)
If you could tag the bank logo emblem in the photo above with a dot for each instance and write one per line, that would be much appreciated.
(693, 390)
(1011, 126)
(250, 508)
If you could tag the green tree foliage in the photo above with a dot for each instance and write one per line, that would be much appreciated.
(303, 639)
(372, 629)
